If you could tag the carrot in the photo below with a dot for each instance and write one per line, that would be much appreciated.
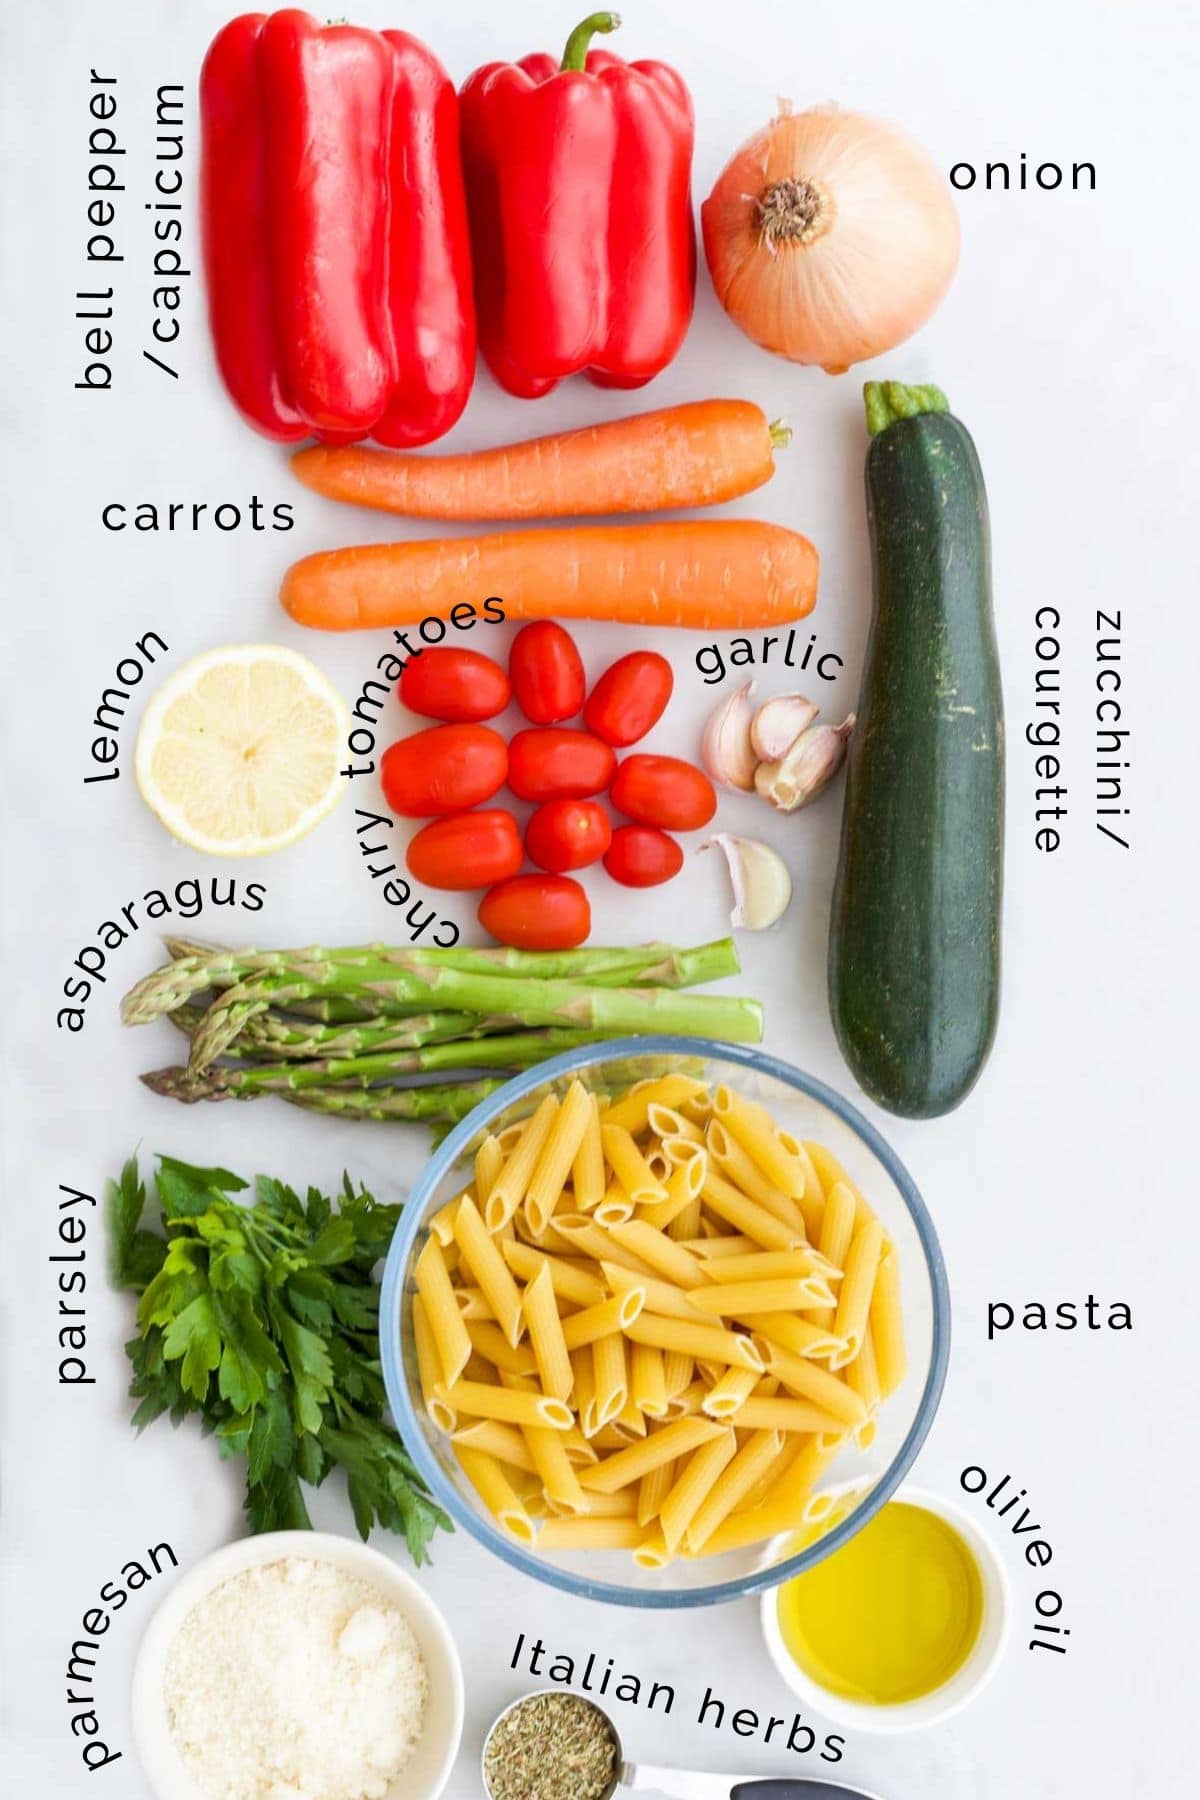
(714, 574)
(690, 455)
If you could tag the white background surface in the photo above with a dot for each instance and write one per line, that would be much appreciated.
(1068, 344)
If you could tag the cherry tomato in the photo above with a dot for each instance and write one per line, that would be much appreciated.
(443, 770)
(558, 765)
(629, 698)
(462, 685)
(547, 674)
(661, 790)
(468, 850)
(640, 856)
(567, 834)
(537, 912)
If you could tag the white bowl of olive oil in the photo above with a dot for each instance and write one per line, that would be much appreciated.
(898, 1628)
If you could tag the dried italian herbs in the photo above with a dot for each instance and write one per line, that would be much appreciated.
(550, 1747)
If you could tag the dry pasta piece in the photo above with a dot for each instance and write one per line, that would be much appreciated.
(696, 1480)
(574, 1442)
(621, 1505)
(505, 1442)
(473, 1303)
(429, 1369)
(724, 1247)
(746, 1216)
(441, 1310)
(689, 1400)
(729, 1392)
(612, 1381)
(754, 1457)
(630, 1421)
(486, 1263)
(511, 1184)
(589, 1239)
(652, 1552)
(887, 1324)
(683, 1186)
(571, 1283)
(489, 1160)
(590, 1534)
(806, 1380)
(669, 1441)
(652, 1490)
(739, 1167)
(557, 1155)
(773, 1414)
(587, 1171)
(615, 1206)
(770, 1265)
(546, 1336)
(490, 1342)
(659, 1252)
(559, 1480)
(854, 1301)
(658, 1296)
(496, 1491)
(837, 1232)
(551, 1241)
(757, 1133)
(512, 1406)
(678, 1367)
(629, 1165)
(687, 1223)
(708, 1341)
(665, 1122)
(799, 1335)
(743, 1299)
(584, 1370)
(830, 1172)
(812, 1201)
(615, 1314)
(632, 1110)
(647, 1387)
(441, 1225)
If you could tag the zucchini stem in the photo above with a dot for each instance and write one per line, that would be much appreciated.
(888, 401)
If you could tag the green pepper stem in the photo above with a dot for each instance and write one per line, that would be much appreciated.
(887, 401)
(579, 42)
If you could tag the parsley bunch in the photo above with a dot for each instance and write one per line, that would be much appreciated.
(263, 1321)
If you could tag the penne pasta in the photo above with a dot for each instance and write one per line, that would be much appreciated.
(746, 1216)
(485, 1261)
(683, 1186)
(858, 1285)
(441, 1225)
(800, 1335)
(887, 1324)
(805, 1380)
(615, 1314)
(589, 1239)
(621, 1505)
(659, 1252)
(755, 1130)
(489, 1160)
(505, 1442)
(583, 1368)
(612, 1381)
(512, 1406)
(678, 1367)
(754, 1457)
(590, 1534)
(511, 1184)
(742, 1299)
(652, 1490)
(557, 1155)
(647, 1386)
(429, 1370)
(709, 1341)
(632, 1110)
(441, 1310)
(658, 1296)
(729, 1393)
(560, 1484)
(615, 1205)
(738, 1166)
(587, 1171)
(547, 1337)
(496, 1491)
(787, 1415)
(577, 1286)
(629, 1166)
(665, 1122)
(770, 1265)
(663, 1445)
(489, 1341)
(694, 1483)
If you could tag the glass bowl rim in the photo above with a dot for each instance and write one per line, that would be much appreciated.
(412, 1219)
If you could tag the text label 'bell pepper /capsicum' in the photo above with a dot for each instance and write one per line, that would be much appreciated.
(335, 231)
(578, 180)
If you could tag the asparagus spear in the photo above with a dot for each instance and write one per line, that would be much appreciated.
(516, 1051)
(270, 1037)
(435, 1105)
(612, 1012)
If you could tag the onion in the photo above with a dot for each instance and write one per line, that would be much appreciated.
(830, 237)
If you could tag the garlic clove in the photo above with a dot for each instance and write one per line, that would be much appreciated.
(726, 750)
(811, 763)
(762, 887)
(778, 723)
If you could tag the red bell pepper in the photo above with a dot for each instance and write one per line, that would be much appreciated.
(578, 183)
(336, 243)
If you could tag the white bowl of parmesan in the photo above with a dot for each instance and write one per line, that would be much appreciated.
(297, 1666)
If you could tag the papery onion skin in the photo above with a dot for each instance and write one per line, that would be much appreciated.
(847, 261)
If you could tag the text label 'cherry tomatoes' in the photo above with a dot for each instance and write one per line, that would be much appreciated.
(661, 790)
(558, 765)
(547, 674)
(469, 850)
(640, 856)
(537, 912)
(460, 685)
(446, 769)
(567, 834)
(629, 698)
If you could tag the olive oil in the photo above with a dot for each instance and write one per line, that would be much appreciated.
(892, 1615)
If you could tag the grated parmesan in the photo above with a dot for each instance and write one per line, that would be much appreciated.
(295, 1681)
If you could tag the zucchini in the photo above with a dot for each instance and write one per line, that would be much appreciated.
(914, 941)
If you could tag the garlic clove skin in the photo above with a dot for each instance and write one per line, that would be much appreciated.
(725, 749)
(762, 887)
(810, 765)
(778, 723)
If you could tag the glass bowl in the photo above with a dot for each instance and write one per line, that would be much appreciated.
(864, 1479)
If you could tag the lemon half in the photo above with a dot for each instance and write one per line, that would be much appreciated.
(238, 752)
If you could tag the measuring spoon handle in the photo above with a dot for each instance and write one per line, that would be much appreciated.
(692, 1784)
